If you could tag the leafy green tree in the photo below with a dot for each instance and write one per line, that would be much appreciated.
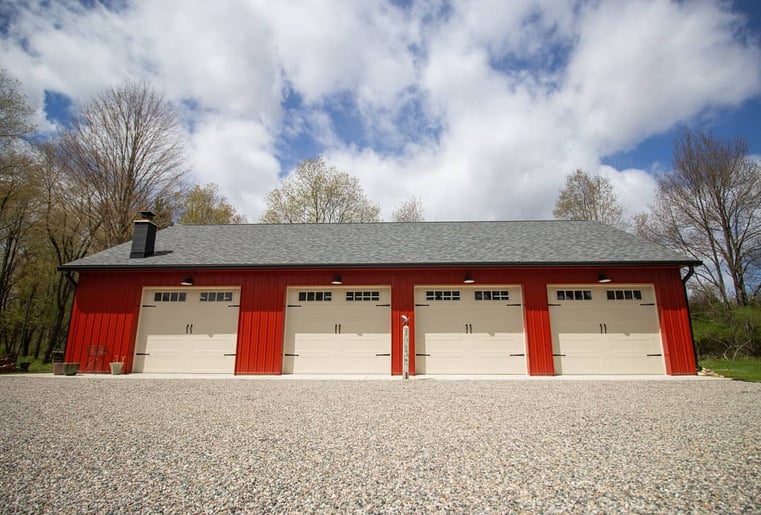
(204, 205)
(585, 197)
(317, 193)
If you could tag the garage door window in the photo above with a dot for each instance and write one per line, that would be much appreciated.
(442, 295)
(315, 296)
(492, 295)
(360, 296)
(216, 296)
(574, 294)
(624, 294)
(169, 296)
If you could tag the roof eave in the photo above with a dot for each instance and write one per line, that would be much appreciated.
(480, 264)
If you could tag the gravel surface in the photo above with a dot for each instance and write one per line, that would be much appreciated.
(119, 444)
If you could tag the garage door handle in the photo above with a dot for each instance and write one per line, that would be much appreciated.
(291, 355)
(422, 354)
(142, 354)
(387, 354)
(515, 355)
(600, 328)
(654, 354)
(606, 328)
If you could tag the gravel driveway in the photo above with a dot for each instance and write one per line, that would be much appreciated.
(120, 444)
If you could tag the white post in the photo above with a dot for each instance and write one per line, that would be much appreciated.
(406, 351)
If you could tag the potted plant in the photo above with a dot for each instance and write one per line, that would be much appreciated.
(70, 369)
(116, 365)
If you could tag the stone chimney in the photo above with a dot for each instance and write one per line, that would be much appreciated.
(144, 239)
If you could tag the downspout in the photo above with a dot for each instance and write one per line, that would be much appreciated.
(686, 278)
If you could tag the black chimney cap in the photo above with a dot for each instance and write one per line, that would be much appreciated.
(147, 215)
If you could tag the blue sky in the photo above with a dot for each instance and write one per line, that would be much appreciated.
(478, 108)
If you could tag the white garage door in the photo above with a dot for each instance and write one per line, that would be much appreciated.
(472, 330)
(187, 331)
(605, 330)
(338, 331)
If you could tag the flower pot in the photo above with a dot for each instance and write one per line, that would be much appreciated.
(116, 367)
(70, 369)
(58, 368)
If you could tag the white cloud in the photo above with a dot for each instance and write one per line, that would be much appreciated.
(478, 108)
(640, 67)
(237, 155)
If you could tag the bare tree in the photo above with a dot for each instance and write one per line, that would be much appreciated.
(317, 193)
(204, 205)
(588, 198)
(409, 211)
(15, 113)
(18, 190)
(71, 222)
(709, 207)
(124, 150)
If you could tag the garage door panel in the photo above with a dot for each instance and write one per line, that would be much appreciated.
(163, 354)
(578, 364)
(188, 335)
(338, 335)
(469, 335)
(635, 364)
(615, 331)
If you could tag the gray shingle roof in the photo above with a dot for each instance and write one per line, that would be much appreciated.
(517, 243)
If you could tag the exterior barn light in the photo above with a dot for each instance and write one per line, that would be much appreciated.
(188, 281)
(602, 278)
(336, 280)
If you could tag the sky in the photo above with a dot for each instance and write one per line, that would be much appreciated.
(479, 108)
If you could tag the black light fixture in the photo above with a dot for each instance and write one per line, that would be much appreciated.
(602, 278)
(468, 279)
(337, 280)
(187, 282)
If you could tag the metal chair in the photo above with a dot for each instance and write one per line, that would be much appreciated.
(97, 354)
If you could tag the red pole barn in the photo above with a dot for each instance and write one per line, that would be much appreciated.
(496, 298)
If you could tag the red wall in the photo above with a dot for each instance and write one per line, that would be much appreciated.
(107, 305)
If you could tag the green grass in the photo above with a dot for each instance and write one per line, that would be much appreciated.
(36, 367)
(747, 369)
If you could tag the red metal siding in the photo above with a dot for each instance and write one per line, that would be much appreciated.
(107, 306)
(538, 334)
